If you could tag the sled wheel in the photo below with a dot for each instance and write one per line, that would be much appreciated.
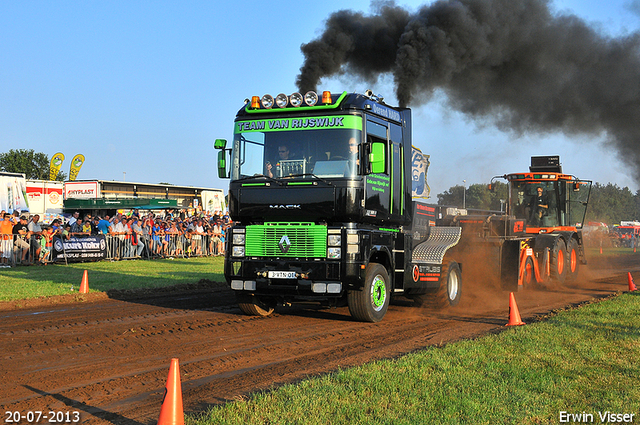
(370, 303)
(450, 285)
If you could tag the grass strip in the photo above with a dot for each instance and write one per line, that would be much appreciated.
(42, 281)
(608, 251)
(582, 361)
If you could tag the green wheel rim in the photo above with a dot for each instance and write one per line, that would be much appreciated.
(378, 293)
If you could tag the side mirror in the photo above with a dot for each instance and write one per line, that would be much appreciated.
(222, 164)
(220, 144)
(377, 158)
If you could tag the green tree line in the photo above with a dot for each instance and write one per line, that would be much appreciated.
(35, 165)
(608, 203)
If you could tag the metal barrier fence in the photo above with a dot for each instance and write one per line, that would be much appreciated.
(163, 246)
(16, 250)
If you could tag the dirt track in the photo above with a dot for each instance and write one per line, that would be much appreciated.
(108, 359)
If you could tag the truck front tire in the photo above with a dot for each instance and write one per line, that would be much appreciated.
(253, 306)
(370, 303)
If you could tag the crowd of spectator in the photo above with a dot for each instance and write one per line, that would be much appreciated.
(170, 233)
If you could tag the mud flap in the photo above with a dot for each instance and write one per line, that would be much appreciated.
(510, 265)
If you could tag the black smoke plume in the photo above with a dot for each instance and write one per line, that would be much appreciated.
(514, 63)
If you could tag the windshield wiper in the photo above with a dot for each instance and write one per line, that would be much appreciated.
(312, 175)
(258, 176)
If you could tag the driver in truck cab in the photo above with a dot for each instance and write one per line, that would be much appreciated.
(539, 206)
(283, 154)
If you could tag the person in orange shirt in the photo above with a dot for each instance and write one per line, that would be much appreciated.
(6, 239)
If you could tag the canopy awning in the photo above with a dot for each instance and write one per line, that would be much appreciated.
(117, 204)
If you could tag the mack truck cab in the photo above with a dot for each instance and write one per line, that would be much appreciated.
(320, 195)
(548, 208)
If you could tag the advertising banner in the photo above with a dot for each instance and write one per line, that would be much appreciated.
(13, 193)
(213, 201)
(81, 190)
(75, 249)
(76, 164)
(419, 168)
(56, 163)
(44, 197)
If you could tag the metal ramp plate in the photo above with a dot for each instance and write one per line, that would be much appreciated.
(433, 249)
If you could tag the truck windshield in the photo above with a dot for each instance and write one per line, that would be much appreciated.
(537, 202)
(325, 151)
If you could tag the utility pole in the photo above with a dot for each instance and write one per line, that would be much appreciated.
(464, 194)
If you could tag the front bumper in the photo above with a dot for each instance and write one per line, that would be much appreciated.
(312, 278)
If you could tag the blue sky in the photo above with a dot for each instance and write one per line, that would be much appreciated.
(143, 88)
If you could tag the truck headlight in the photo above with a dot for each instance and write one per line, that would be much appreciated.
(282, 100)
(238, 251)
(334, 253)
(267, 101)
(295, 99)
(238, 239)
(334, 240)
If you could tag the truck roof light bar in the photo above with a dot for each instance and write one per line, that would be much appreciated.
(311, 100)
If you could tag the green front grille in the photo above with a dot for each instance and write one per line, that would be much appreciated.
(306, 239)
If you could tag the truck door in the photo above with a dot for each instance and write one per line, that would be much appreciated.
(397, 173)
(378, 186)
(577, 198)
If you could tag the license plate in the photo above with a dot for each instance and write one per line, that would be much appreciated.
(281, 275)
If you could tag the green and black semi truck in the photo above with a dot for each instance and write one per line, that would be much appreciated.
(323, 200)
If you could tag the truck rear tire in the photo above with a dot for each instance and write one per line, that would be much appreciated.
(573, 261)
(559, 261)
(450, 289)
(253, 306)
(370, 303)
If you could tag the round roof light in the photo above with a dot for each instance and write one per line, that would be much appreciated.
(311, 98)
(267, 101)
(295, 99)
(282, 100)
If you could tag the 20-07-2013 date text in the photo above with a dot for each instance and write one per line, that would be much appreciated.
(41, 416)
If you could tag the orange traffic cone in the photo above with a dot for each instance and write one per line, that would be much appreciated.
(632, 286)
(171, 412)
(514, 314)
(84, 285)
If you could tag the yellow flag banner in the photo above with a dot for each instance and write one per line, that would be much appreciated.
(56, 163)
(76, 164)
